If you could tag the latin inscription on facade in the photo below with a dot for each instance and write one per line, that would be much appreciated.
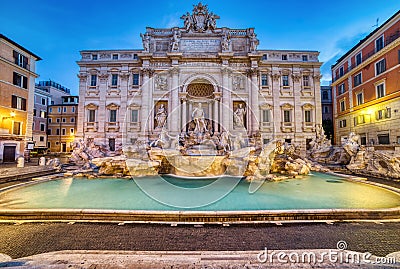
(200, 45)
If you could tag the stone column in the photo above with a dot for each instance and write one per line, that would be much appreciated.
(216, 114)
(317, 91)
(124, 119)
(81, 119)
(146, 109)
(277, 118)
(227, 114)
(102, 116)
(173, 118)
(298, 117)
(184, 114)
(255, 111)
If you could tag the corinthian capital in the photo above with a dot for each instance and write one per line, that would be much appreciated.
(82, 77)
(148, 71)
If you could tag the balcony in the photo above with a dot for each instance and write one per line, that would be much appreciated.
(112, 127)
(267, 126)
(368, 55)
(286, 91)
(92, 91)
(309, 127)
(307, 91)
(91, 126)
(113, 91)
(287, 127)
(266, 90)
(133, 126)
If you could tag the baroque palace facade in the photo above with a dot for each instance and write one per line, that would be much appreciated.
(181, 72)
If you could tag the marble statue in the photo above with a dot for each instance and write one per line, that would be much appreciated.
(226, 42)
(161, 82)
(211, 22)
(238, 116)
(175, 40)
(238, 141)
(162, 141)
(200, 20)
(198, 118)
(146, 42)
(253, 42)
(351, 146)
(188, 23)
(225, 141)
(161, 116)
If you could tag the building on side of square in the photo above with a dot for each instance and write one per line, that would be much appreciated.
(62, 124)
(39, 128)
(366, 87)
(130, 95)
(46, 93)
(327, 111)
(17, 86)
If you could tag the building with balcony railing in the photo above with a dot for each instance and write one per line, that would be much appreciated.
(17, 83)
(366, 87)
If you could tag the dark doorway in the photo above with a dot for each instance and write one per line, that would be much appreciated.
(308, 140)
(63, 147)
(9, 154)
(111, 144)
(383, 139)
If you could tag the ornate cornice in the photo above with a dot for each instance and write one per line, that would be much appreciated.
(82, 77)
(147, 71)
(124, 75)
(276, 76)
(296, 77)
(287, 106)
(317, 77)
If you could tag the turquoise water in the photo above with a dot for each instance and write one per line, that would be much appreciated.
(319, 191)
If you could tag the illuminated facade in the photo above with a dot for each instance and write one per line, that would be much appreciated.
(136, 93)
(366, 87)
(17, 85)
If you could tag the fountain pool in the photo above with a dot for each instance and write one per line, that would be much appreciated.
(318, 191)
(318, 197)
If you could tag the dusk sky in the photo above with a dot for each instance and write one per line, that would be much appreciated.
(58, 30)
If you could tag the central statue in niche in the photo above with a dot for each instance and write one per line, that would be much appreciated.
(198, 118)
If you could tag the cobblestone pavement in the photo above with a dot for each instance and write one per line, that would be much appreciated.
(34, 238)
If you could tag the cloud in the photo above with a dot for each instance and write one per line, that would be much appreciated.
(172, 20)
(334, 48)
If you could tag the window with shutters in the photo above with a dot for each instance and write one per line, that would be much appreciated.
(17, 128)
(380, 67)
(18, 102)
(20, 80)
(383, 114)
(20, 60)
(357, 79)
